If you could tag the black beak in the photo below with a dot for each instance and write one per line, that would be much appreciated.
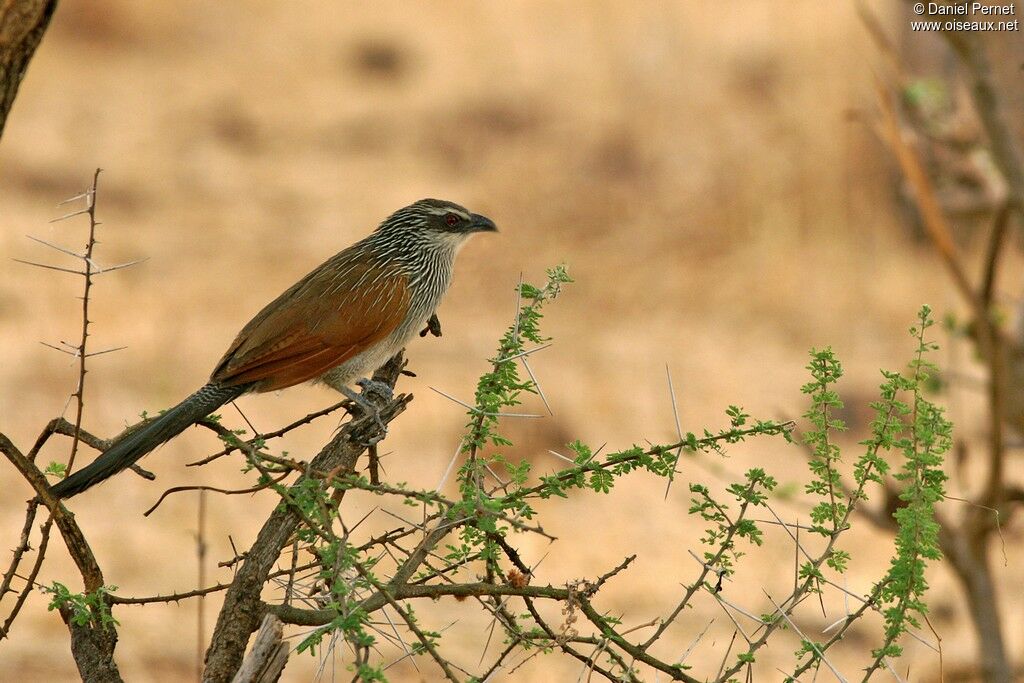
(480, 223)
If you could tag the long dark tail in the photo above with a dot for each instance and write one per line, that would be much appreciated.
(132, 447)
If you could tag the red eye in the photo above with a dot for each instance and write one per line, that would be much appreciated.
(452, 220)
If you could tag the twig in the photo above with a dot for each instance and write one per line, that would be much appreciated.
(275, 434)
(819, 653)
(694, 643)
(679, 430)
(227, 492)
(725, 657)
(20, 550)
(90, 209)
(61, 426)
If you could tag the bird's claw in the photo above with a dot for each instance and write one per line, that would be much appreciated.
(433, 326)
(370, 388)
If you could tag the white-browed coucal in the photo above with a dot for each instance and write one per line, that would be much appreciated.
(336, 325)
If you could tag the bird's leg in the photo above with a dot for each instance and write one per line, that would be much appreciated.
(433, 326)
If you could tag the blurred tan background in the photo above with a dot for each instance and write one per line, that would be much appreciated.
(706, 170)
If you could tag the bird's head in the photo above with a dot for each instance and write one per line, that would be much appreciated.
(438, 221)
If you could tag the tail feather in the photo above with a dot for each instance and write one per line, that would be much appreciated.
(132, 447)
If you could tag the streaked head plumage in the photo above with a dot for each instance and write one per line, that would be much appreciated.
(437, 217)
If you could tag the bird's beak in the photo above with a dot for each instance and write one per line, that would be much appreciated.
(481, 224)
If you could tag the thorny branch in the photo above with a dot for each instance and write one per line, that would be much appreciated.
(344, 590)
(92, 642)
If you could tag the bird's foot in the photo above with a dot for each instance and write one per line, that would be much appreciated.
(433, 326)
(370, 388)
(373, 387)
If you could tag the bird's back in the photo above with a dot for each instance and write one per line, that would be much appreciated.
(339, 310)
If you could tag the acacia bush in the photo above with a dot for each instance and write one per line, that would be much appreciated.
(360, 596)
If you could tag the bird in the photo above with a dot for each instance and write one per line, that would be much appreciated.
(336, 325)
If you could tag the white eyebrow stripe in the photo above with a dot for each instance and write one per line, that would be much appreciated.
(442, 210)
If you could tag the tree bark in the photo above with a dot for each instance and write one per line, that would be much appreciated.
(93, 648)
(22, 24)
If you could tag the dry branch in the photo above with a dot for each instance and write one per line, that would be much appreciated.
(268, 656)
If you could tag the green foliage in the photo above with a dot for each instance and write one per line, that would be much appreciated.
(56, 469)
(905, 423)
(720, 536)
(927, 438)
(825, 371)
(497, 497)
(85, 608)
(501, 387)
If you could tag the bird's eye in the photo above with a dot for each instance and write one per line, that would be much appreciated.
(451, 220)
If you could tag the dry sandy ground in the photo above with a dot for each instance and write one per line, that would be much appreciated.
(693, 164)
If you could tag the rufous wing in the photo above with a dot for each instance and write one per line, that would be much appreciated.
(331, 315)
